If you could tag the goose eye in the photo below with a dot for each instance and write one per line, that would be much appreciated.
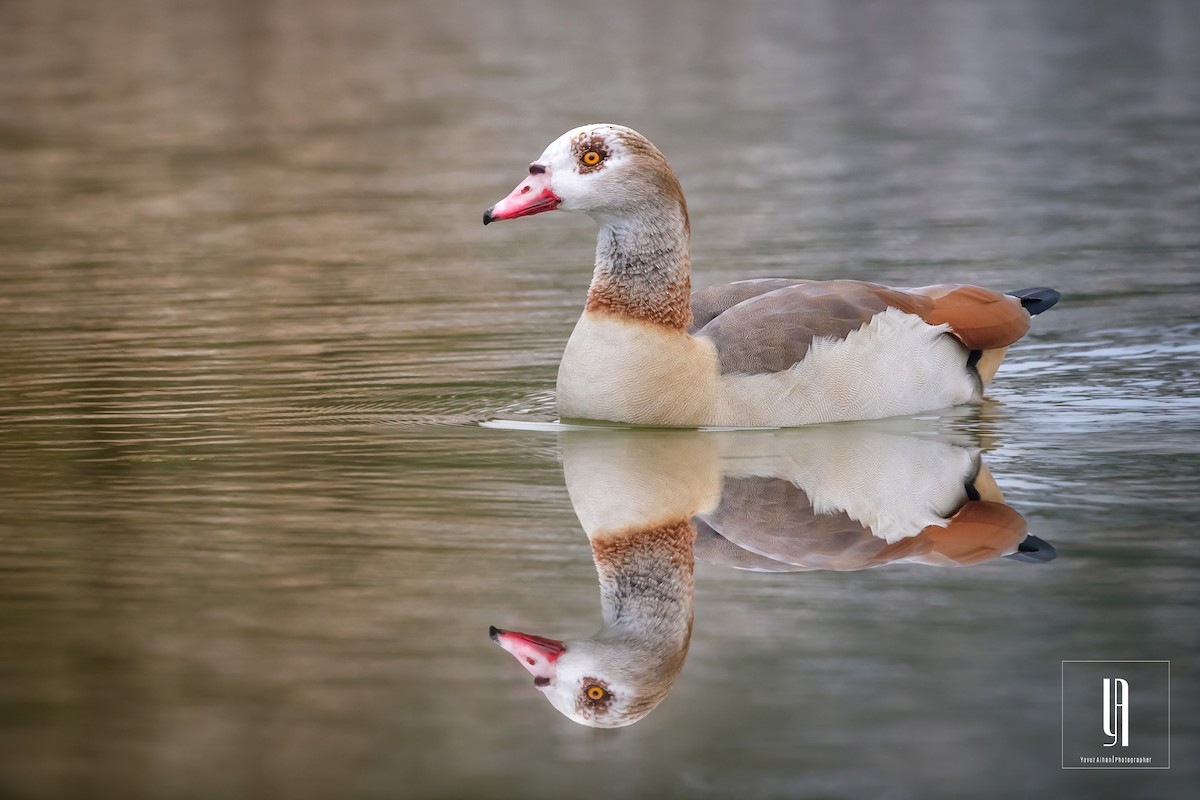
(592, 158)
(596, 693)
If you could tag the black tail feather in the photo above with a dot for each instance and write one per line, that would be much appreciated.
(1037, 300)
(1034, 551)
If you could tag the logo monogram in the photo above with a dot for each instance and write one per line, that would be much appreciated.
(1116, 711)
(1085, 684)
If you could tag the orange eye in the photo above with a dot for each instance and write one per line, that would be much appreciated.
(596, 693)
(591, 158)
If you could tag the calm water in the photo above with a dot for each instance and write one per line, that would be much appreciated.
(254, 530)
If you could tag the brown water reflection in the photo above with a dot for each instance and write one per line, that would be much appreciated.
(251, 532)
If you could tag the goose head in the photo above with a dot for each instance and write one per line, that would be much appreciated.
(608, 681)
(607, 171)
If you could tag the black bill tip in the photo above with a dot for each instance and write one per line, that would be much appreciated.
(493, 631)
(488, 218)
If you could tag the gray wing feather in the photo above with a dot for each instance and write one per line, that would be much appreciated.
(715, 549)
(773, 329)
(708, 304)
(772, 523)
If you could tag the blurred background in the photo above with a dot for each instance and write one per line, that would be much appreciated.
(252, 532)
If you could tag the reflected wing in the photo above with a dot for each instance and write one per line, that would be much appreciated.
(979, 531)
(714, 548)
(769, 525)
(773, 519)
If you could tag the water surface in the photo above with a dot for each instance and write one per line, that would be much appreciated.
(254, 532)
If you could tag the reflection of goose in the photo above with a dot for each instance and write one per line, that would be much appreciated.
(636, 505)
(855, 497)
(753, 353)
(619, 675)
(841, 498)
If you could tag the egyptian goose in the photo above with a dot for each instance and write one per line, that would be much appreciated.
(772, 352)
(815, 498)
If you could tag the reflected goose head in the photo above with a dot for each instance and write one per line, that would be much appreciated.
(622, 673)
(604, 682)
(607, 171)
(637, 510)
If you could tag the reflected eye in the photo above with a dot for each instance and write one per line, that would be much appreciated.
(596, 693)
(592, 158)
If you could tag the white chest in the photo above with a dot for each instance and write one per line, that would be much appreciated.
(626, 371)
(626, 481)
